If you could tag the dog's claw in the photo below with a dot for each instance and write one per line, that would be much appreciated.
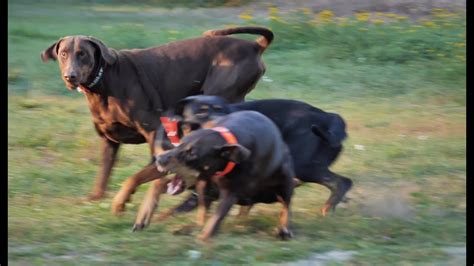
(137, 227)
(285, 234)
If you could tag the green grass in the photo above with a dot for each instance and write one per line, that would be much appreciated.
(401, 92)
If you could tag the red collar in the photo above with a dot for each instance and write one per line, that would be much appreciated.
(231, 139)
(171, 128)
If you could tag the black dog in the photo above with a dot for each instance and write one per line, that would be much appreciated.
(249, 164)
(313, 136)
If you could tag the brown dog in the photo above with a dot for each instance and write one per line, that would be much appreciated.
(128, 89)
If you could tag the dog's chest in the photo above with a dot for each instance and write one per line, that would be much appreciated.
(113, 121)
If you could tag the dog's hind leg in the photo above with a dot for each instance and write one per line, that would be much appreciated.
(284, 197)
(339, 185)
(233, 82)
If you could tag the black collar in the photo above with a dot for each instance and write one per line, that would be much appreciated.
(95, 79)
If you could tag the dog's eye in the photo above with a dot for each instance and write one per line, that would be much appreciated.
(191, 155)
(81, 54)
(63, 54)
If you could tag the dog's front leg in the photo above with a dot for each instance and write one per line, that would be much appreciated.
(227, 199)
(149, 204)
(109, 156)
(202, 208)
(145, 175)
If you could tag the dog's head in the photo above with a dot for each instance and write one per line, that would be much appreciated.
(200, 109)
(79, 58)
(201, 154)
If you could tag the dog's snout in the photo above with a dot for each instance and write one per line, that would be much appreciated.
(71, 76)
(162, 160)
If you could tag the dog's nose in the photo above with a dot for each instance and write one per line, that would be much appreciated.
(71, 77)
(162, 160)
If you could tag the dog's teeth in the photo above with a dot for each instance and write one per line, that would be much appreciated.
(160, 168)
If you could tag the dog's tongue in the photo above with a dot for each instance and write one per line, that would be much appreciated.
(176, 186)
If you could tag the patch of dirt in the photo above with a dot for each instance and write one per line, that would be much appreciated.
(387, 201)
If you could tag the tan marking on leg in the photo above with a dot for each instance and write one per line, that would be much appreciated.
(202, 210)
(145, 175)
(150, 202)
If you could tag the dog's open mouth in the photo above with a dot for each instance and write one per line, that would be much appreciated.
(176, 186)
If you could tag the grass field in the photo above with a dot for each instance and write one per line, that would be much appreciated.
(398, 82)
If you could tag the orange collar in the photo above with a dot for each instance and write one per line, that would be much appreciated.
(231, 139)
(171, 128)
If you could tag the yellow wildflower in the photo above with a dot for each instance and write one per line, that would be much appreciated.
(246, 15)
(362, 16)
(273, 10)
(325, 15)
(402, 17)
(429, 24)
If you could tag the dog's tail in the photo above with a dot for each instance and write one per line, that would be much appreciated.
(335, 133)
(263, 42)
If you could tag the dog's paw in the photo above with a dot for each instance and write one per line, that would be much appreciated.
(138, 227)
(118, 208)
(96, 195)
(327, 208)
(285, 234)
(203, 239)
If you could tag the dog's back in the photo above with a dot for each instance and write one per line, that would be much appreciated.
(258, 133)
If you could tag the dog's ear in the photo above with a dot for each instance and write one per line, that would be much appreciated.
(234, 152)
(109, 55)
(51, 52)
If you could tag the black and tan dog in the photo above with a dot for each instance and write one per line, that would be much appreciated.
(127, 89)
(244, 155)
(313, 136)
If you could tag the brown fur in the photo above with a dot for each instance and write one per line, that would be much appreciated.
(138, 84)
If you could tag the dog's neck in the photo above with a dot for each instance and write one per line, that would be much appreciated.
(94, 82)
